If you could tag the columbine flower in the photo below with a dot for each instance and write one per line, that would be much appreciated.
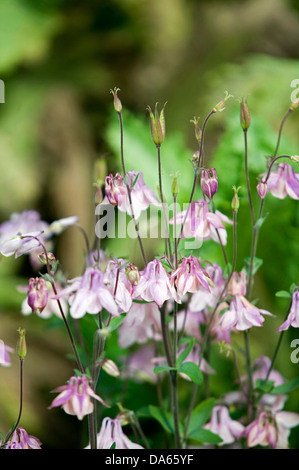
(242, 315)
(20, 244)
(111, 433)
(37, 294)
(238, 283)
(51, 307)
(141, 323)
(118, 284)
(283, 182)
(22, 440)
(141, 195)
(293, 317)
(190, 276)
(154, 284)
(201, 223)
(89, 294)
(4, 354)
(209, 182)
(58, 226)
(222, 424)
(75, 397)
(271, 429)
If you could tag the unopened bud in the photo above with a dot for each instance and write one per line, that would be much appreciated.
(244, 114)
(50, 258)
(37, 294)
(110, 368)
(117, 102)
(195, 159)
(235, 201)
(209, 182)
(175, 187)
(21, 346)
(220, 106)
(262, 189)
(125, 417)
(132, 273)
(157, 125)
(198, 132)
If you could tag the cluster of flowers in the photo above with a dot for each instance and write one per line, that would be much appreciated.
(206, 297)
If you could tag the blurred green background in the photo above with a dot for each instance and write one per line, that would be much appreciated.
(58, 60)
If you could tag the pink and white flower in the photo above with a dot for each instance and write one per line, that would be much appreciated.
(209, 182)
(37, 294)
(89, 294)
(154, 284)
(141, 323)
(51, 306)
(201, 223)
(111, 433)
(75, 397)
(283, 182)
(22, 440)
(5, 350)
(224, 426)
(190, 276)
(204, 298)
(293, 317)
(242, 315)
(118, 284)
(141, 195)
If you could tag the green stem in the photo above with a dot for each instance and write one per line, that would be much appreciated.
(21, 405)
(166, 222)
(247, 178)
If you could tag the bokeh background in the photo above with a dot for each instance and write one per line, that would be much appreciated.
(58, 60)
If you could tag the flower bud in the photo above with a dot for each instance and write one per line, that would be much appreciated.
(117, 102)
(220, 106)
(37, 294)
(209, 182)
(125, 417)
(21, 346)
(244, 114)
(198, 132)
(175, 187)
(132, 274)
(235, 201)
(110, 368)
(157, 125)
(262, 189)
(195, 159)
(43, 258)
(294, 105)
(115, 188)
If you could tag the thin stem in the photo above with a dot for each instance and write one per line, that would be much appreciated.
(166, 222)
(250, 397)
(247, 178)
(280, 130)
(21, 405)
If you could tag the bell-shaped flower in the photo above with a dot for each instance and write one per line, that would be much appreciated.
(242, 315)
(141, 195)
(51, 308)
(283, 182)
(141, 323)
(154, 284)
(209, 182)
(224, 426)
(201, 223)
(119, 284)
(5, 350)
(37, 294)
(111, 434)
(190, 276)
(22, 440)
(89, 294)
(293, 317)
(76, 397)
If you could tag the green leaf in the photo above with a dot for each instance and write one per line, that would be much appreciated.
(163, 417)
(158, 369)
(200, 415)
(262, 386)
(260, 222)
(185, 353)
(257, 263)
(193, 371)
(283, 293)
(116, 322)
(113, 445)
(286, 387)
(205, 435)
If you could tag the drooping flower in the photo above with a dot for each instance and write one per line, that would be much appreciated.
(154, 284)
(51, 306)
(209, 182)
(118, 284)
(293, 317)
(140, 364)
(37, 294)
(76, 397)
(224, 426)
(21, 244)
(111, 434)
(283, 182)
(141, 195)
(141, 323)
(89, 294)
(22, 440)
(190, 276)
(5, 350)
(238, 284)
(242, 315)
(201, 223)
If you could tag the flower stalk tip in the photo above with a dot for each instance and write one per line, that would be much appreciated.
(220, 106)
(21, 347)
(117, 102)
(157, 124)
